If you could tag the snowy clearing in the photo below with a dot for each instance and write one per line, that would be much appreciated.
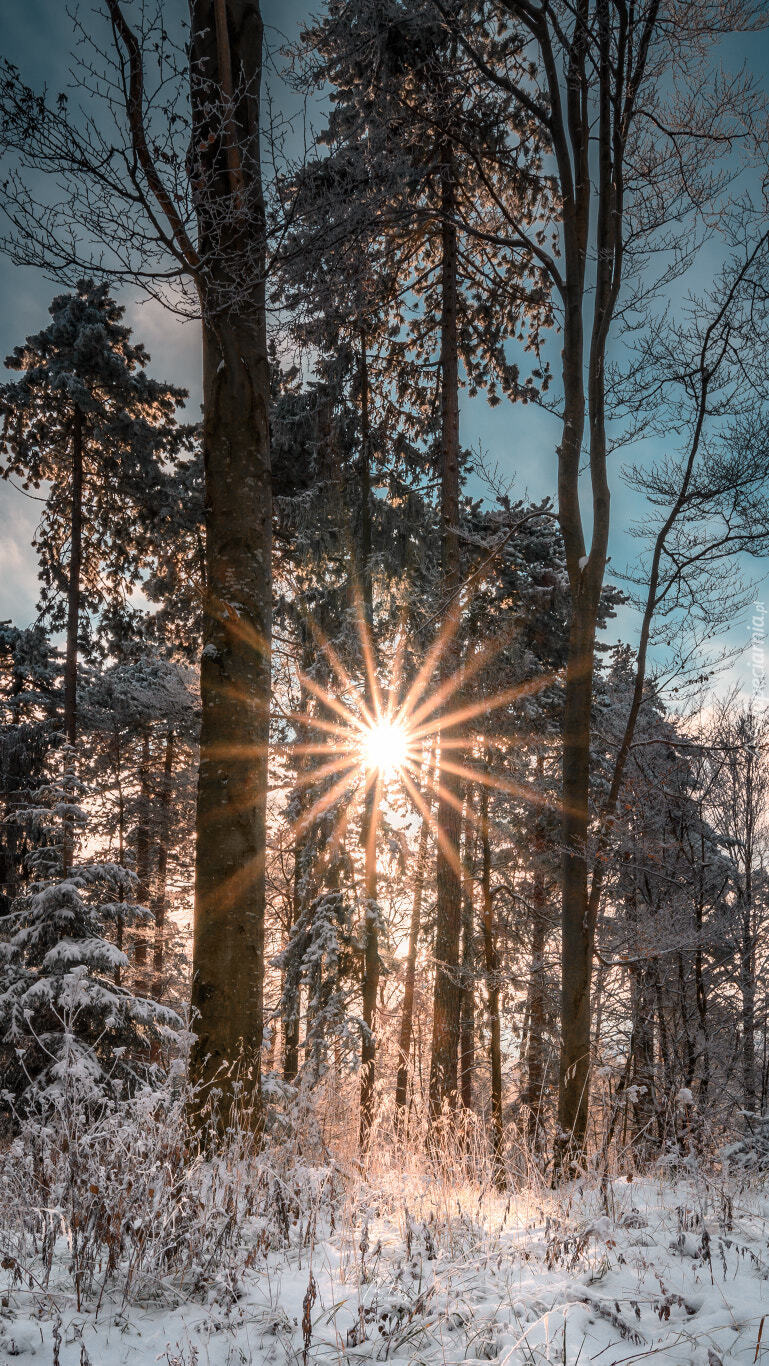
(419, 1271)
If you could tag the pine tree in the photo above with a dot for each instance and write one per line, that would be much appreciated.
(86, 421)
(63, 1019)
(30, 702)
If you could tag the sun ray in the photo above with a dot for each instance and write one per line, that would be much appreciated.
(324, 801)
(315, 775)
(327, 727)
(483, 705)
(494, 780)
(425, 671)
(331, 701)
(423, 807)
(396, 673)
(459, 678)
(367, 649)
(340, 671)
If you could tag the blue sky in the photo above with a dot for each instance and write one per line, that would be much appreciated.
(519, 442)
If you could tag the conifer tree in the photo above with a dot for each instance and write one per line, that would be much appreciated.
(86, 421)
(63, 1018)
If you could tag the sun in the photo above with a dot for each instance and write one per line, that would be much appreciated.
(385, 746)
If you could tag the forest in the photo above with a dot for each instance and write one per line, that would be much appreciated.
(384, 746)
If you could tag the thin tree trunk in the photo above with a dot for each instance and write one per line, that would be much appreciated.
(120, 916)
(371, 813)
(73, 584)
(491, 959)
(404, 1040)
(161, 883)
(748, 994)
(447, 993)
(143, 843)
(535, 1053)
(73, 628)
(467, 1011)
(294, 1008)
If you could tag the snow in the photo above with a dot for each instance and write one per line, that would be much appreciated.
(415, 1270)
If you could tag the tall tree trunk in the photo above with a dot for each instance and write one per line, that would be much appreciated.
(161, 882)
(642, 1054)
(577, 930)
(293, 1008)
(119, 914)
(447, 993)
(73, 583)
(467, 1010)
(371, 813)
(748, 1012)
(491, 960)
(73, 630)
(407, 1016)
(535, 1051)
(228, 944)
(700, 987)
(143, 844)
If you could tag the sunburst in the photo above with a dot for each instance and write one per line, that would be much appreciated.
(371, 741)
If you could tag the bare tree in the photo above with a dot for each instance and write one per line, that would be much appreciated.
(636, 156)
(152, 174)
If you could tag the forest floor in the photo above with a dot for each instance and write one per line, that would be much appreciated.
(411, 1268)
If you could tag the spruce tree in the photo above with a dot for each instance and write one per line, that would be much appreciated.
(88, 423)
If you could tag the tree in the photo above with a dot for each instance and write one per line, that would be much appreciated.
(88, 422)
(63, 1018)
(30, 704)
(602, 72)
(738, 805)
(429, 153)
(177, 180)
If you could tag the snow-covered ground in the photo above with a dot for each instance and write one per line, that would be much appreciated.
(412, 1269)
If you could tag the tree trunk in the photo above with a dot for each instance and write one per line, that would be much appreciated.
(161, 883)
(140, 940)
(228, 944)
(404, 1041)
(447, 992)
(371, 812)
(293, 1009)
(577, 930)
(73, 631)
(535, 1052)
(491, 959)
(73, 585)
(467, 1011)
(642, 1054)
(748, 1012)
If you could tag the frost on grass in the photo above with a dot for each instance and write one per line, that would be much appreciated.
(121, 1244)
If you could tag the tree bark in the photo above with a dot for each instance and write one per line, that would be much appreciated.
(370, 821)
(73, 629)
(467, 1009)
(491, 959)
(140, 941)
(161, 882)
(407, 1016)
(748, 1011)
(73, 585)
(228, 943)
(535, 1051)
(447, 992)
